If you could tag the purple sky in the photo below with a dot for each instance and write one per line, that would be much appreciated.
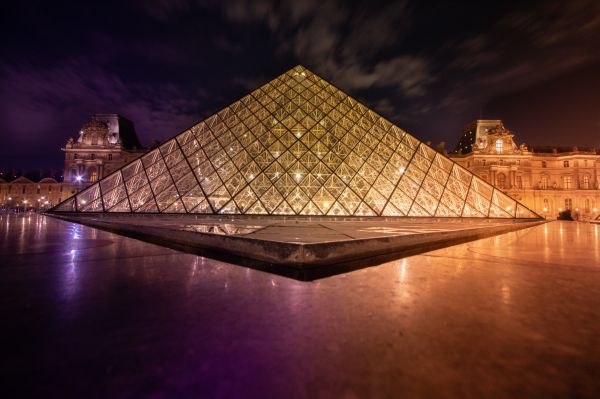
(430, 67)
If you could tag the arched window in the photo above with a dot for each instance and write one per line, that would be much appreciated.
(501, 180)
(499, 146)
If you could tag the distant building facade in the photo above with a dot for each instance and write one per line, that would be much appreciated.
(23, 193)
(546, 179)
(106, 143)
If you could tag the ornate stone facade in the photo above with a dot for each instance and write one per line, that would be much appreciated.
(105, 144)
(546, 179)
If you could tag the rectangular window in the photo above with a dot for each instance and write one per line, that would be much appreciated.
(544, 183)
(543, 164)
(568, 203)
(565, 164)
(499, 146)
(587, 205)
(110, 157)
(567, 182)
(586, 182)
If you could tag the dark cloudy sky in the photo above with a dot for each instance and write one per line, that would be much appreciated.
(430, 67)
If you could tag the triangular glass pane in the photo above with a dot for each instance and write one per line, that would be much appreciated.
(219, 198)
(193, 198)
(114, 196)
(416, 210)
(140, 197)
(165, 198)
(245, 199)
(259, 209)
(364, 210)
(87, 196)
(94, 206)
(391, 210)
(470, 211)
(283, 209)
(122, 206)
(67, 205)
(230, 208)
(176, 207)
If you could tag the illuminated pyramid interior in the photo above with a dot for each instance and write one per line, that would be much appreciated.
(296, 146)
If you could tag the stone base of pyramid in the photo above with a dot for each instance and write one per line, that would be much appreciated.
(304, 248)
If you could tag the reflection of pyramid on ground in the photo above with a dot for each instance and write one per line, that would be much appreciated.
(296, 146)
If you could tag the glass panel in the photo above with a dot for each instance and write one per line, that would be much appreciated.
(141, 197)
(114, 196)
(87, 196)
(122, 206)
(166, 197)
(94, 206)
(110, 182)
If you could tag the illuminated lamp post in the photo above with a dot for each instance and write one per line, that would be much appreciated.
(78, 179)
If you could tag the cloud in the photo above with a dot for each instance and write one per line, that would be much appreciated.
(341, 43)
(37, 105)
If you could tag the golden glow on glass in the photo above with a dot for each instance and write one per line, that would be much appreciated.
(296, 146)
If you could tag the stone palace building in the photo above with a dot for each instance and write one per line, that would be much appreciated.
(105, 143)
(546, 179)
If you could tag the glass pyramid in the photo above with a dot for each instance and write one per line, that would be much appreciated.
(296, 146)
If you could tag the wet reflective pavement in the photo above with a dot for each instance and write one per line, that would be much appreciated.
(87, 313)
